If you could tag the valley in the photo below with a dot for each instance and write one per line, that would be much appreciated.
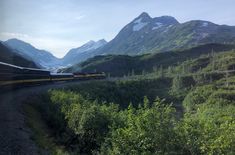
(159, 86)
(172, 111)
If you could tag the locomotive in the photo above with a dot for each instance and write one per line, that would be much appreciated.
(12, 75)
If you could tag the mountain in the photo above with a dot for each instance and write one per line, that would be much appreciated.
(151, 35)
(81, 53)
(119, 65)
(142, 35)
(42, 57)
(10, 56)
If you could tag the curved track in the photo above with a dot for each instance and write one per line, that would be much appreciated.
(14, 134)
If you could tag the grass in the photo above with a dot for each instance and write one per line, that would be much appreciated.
(41, 132)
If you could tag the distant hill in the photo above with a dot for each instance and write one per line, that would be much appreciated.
(82, 53)
(42, 57)
(46, 60)
(119, 65)
(7, 55)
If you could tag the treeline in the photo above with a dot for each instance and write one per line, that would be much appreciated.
(123, 65)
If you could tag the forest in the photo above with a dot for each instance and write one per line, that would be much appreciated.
(188, 108)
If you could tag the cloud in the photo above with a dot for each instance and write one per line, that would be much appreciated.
(79, 17)
(13, 35)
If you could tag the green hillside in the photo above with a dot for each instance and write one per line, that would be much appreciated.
(119, 65)
(184, 113)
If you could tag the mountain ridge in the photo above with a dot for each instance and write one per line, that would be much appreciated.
(143, 34)
(76, 54)
(42, 57)
(10, 56)
(156, 35)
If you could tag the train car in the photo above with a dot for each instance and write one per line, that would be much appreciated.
(62, 76)
(7, 71)
(96, 75)
(79, 76)
(88, 76)
(12, 75)
(15, 75)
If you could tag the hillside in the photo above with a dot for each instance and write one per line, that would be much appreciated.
(119, 65)
(76, 55)
(26, 50)
(180, 113)
(9, 56)
(151, 35)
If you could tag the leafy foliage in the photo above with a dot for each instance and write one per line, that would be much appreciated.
(147, 130)
(210, 130)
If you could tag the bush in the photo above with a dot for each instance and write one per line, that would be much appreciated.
(148, 130)
(210, 130)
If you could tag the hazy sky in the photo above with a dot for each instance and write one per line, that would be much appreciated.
(59, 25)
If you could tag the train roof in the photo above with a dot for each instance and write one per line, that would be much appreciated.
(14, 66)
(10, 65)
(61, 73)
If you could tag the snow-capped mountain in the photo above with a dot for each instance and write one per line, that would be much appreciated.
(41, 57)
(150, 35)
(76, 55)
(142, 35)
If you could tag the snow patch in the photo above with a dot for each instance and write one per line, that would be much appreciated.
(158, 25)
(204, 35)
(167, 29)
(139, 24)
(137, 21)
(91, 45)
(205, 24)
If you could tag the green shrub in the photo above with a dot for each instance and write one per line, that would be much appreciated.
(148, 130)
(210, 130)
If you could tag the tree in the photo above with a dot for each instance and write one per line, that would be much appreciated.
(210, 130)
(143, 72)
(132, 72)
(169, 70)
(161, 72)
(226, 78)
(154, 69)
(177, 85)
(147, 131)
(91, 124)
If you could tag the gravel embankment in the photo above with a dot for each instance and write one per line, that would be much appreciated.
(14, 134)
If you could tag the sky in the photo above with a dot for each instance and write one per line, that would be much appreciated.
(59, 25)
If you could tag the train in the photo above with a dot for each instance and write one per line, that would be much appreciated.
(16, 75)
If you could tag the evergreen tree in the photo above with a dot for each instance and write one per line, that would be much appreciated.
(161, 72)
